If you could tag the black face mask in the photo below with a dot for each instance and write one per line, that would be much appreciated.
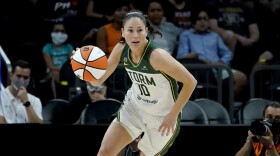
(275, 126)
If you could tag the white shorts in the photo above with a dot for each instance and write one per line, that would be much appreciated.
(136, 122)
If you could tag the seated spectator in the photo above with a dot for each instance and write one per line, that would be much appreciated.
(109, 35)
(268, 19)
(99, 14)
(17, 105)
(92, 94)
(170, 33)
(178, 12)
(56, 54)
(86, 97)
(237, 25)
(205, 45)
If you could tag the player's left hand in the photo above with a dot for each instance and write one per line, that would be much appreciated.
(168, 124)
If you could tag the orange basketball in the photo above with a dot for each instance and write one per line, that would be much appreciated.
(89, 63)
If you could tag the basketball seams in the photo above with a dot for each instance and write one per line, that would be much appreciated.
(78, 65)
(86, 53)
(100, 63)
(89, 63)
(88, 75)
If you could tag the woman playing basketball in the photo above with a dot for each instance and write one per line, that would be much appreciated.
(152, 105)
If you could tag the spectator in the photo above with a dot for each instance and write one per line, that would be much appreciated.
(237, 25)
(170, 33)
(98, 14)
(203, 44)
(56, 54)
(268, 144)
(17, 105)
(86, 97)
(108, 35)
(266, 81)
(268, 24)
(71, 115)
(178, 12)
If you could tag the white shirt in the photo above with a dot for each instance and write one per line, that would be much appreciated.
(13, 110)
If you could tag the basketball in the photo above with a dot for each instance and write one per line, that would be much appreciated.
(89, 63)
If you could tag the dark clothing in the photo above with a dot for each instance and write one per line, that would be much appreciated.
(233, 16)
(79, 102)
(268, 24)
(180, 17)
(237, 18)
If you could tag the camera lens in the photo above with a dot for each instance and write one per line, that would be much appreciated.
(259, 127)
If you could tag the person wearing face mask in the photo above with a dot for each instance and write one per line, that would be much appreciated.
(89, 95)
(17, 105)
(56, 54)
(268, 143)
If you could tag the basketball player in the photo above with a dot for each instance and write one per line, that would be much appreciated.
(152, 105)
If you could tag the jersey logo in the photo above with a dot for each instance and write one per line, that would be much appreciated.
(144, 68)
(125, 63)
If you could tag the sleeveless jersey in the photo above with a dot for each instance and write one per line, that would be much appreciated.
(152, 91)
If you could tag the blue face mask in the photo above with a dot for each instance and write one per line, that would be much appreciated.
(17, 83)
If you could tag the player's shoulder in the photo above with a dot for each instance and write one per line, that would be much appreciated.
(159, 55)
(157, 52)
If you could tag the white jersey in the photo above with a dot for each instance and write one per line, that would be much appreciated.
(152, 91)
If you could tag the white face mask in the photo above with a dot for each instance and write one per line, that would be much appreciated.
(59, 38)
(17, 83)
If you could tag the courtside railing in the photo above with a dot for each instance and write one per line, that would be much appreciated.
(224, 88)
(264, 81)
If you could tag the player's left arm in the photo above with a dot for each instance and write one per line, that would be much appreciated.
(113, 62)
(161, 60)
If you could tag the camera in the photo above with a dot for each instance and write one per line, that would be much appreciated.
(261, 127)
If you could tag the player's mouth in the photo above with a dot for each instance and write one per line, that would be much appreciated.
(135, 42)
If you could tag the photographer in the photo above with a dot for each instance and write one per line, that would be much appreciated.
(88, 96)
(263, 136)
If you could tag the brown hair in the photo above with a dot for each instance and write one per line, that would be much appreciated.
(144, 18)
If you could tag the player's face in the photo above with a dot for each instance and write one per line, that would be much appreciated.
(135, 31)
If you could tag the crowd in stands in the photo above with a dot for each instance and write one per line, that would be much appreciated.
(241, 34)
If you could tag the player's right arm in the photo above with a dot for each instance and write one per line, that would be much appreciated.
(113, 62)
